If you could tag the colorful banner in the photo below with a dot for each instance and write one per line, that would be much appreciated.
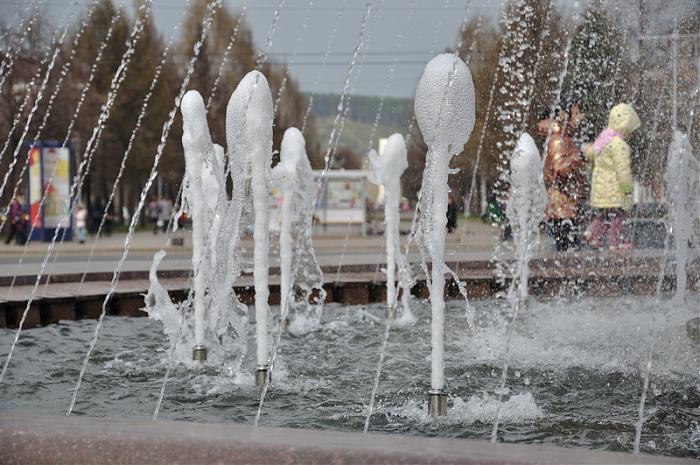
(57, 204)
(343, 201)
(35, 190)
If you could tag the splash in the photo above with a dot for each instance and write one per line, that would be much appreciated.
(519, 408)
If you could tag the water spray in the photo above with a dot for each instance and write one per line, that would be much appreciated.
(386, 170)
(444, 107)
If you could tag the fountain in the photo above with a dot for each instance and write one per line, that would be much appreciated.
(525, 209)
(683, 190)
(249, 137)
(444, 107)
(200, 197)
(300, 274)
(386, 170)
(216, 221)
(566, 351)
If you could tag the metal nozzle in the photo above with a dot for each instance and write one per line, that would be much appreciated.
(261, 376)
(437, 403)
(199, 354)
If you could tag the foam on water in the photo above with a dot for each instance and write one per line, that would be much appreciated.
(480, 408)
(606, 334)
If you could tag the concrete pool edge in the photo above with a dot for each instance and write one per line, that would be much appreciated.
(31, 439)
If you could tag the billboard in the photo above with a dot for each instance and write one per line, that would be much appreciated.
(49, 174)
(344, 198)
(56, 160)
(35, 190)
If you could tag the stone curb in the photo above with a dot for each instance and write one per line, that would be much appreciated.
(74, 440)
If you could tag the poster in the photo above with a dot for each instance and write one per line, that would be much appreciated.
(343, 201)
(35, 190)
(56, 160)
(49, 174)
(343, 193)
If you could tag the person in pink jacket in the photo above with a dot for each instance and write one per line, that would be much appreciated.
(81, 223)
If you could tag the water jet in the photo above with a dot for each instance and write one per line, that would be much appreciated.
(444, 108)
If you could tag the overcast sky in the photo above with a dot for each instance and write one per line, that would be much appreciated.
(395, 31)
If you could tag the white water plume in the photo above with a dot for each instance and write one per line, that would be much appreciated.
(444, 107)
(301, 287)
(206, 26)
(249, 135)
(386, 170)
(683, 192)
(526, 205)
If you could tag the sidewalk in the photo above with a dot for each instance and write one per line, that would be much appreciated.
(471, 236)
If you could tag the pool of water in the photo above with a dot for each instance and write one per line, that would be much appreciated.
(574, 379)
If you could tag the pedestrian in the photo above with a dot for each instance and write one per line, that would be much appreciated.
(14, 217)
(451, 214)
(564, 177)
(109, 221)
(165, 209)
(22, 228)
(152, 213)
(611, 182)
(96, 213)
(126, 216)
(81, 217)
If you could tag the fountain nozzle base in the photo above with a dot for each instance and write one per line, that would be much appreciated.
(390, 312)
(199, 354)
(692, 328)
(261, 376)
(437, 403)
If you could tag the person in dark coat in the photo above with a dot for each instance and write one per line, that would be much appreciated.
(13, 217)
(22, 230)
(451, 214)
(564, 176)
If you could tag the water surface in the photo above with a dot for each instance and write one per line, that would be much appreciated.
(574, 379)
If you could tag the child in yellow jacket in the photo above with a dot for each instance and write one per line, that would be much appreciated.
(611, 182)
